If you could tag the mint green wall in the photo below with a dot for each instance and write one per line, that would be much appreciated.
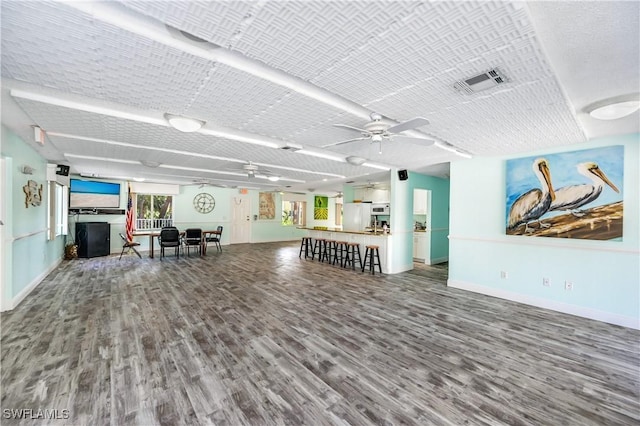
(268, 230)
(27, 257)
(439, 211)
(185, 216)
(605, 274)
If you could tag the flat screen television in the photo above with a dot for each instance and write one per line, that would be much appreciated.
(89, 194)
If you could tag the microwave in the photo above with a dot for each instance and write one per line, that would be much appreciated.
(380, 209)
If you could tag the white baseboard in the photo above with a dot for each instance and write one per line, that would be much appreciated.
(32, 285)
(399, 268)
(553, 305)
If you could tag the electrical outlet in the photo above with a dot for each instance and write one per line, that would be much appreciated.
(568, 285)
(504, 275)
(546, 282)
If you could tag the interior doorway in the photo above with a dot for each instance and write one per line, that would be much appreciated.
(240, 220)
(422, 227)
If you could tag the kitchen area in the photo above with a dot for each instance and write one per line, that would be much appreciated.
(407, 220)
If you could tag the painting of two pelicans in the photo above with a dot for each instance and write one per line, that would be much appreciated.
(574, 194)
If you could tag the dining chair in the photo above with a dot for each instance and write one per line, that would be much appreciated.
(169, 237)
(216, 238)
(193, 238)
(131, 245)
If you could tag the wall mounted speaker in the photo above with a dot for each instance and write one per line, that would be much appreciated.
(403, 175)
(62, 170)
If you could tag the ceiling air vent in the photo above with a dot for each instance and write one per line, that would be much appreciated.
(480, 82)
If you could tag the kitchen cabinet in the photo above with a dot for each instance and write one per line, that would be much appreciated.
(371, 194)
(420, 201)
(421, 252)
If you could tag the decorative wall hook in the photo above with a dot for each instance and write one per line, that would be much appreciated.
(27, 170)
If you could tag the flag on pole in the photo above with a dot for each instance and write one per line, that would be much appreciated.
(129, 221)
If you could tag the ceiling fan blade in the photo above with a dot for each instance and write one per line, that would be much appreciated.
(344, 126)
(343, 142)
(408, 125)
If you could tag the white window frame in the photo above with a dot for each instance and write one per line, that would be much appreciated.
(58, 208)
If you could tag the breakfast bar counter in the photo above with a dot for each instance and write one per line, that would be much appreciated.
(363, 238)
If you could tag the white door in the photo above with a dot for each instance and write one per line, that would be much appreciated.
(240, 220)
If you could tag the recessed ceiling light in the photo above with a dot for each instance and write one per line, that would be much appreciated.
(616, 110)
(184, 124)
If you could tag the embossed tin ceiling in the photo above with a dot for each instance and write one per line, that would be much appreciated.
(399, 59)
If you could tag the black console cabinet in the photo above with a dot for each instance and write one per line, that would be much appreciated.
(93, 239)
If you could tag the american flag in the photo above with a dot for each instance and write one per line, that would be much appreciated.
(129, 222)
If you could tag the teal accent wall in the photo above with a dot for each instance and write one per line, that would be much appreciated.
(605, 274)
(28, 256)
(439, 211)
(402, 219)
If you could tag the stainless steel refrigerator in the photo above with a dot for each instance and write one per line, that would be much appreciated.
(356, 216)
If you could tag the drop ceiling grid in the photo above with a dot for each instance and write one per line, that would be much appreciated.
(233, 98)
(80, 123)
(107, 151)
(482, 127)
(215, 21)
(74, 54)
(146, 74)
(433, 96)
(34, 46)
(305, 38)
(76, 122)
(380, 71)
(289, 116)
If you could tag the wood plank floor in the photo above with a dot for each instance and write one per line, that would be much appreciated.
(256, 336)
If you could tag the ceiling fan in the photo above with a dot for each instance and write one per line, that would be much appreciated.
(377, 131)
(206, 182)
(253, 170)
(371, 185)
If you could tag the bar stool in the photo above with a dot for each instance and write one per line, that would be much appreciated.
(350, 258)
(319, 247)
(331, 247)
(370, 260)
(340, 248)
(305, 245)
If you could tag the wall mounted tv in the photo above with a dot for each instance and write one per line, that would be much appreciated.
(89, 194)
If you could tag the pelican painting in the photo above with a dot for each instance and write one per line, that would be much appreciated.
(534, 203)
(583, 205)
(572, 197)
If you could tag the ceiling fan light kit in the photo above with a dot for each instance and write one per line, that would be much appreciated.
(184, 124)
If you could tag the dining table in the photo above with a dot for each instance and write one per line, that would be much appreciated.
(156, 234)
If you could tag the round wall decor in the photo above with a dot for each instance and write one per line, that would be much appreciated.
(204, 203)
